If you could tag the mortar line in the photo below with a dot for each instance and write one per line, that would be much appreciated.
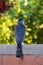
(2, 60)
(38, 60)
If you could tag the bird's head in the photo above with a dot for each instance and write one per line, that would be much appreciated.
(21, 20)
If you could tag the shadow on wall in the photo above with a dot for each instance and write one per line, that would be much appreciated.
(40, 35)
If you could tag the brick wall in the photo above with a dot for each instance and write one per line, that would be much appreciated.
(33, 55)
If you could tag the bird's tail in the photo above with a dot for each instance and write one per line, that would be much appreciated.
(19, 53)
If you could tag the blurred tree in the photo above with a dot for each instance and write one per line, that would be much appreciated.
(31, 11)
(4, 6)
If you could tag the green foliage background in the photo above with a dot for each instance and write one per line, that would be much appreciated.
(31, 11)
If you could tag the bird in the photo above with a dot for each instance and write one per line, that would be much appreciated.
(20, 31)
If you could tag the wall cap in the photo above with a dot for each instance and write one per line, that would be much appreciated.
(31, 49)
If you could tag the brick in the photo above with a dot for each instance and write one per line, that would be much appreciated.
(41, 60)
(27, 60)
(0, 60)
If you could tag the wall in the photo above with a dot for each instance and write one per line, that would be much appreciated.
(33, 55)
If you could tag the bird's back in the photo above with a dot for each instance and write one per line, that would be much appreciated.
(20, 32)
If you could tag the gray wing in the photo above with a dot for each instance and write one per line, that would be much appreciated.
(20, 33)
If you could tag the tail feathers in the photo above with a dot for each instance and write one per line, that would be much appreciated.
(19, 53)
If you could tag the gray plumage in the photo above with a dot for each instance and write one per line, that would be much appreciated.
(19, 36)
(19, 33)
